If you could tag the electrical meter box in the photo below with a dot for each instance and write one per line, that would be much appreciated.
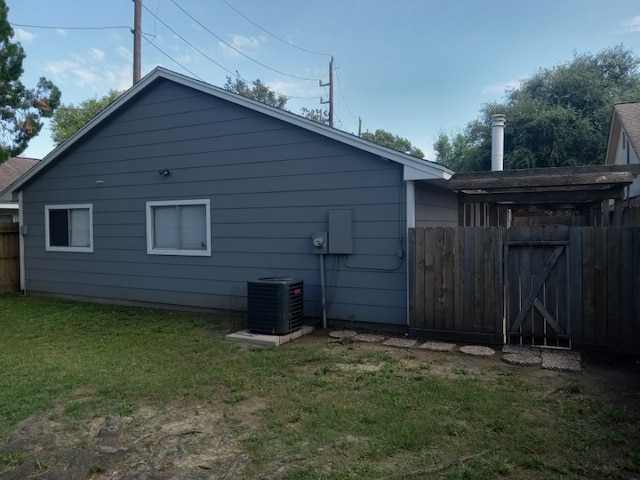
(341, 231)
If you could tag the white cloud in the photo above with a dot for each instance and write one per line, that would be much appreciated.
(295, 89)
(84, 77)
(23, 36)
(500, 88)
(60, 68)
(61, 31)
(124, 52)
(96, 54)
(631, 25)
(246, 45)
(118, 77)
(87, 73)
(68, 70)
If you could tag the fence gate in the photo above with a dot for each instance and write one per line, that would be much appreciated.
(537, 287)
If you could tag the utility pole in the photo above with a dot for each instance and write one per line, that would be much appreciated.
(360, 126)
(137, 39)
(330, 85)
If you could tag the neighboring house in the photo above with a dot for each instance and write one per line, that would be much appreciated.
(10, 171)
(180, 192)
(624, 143)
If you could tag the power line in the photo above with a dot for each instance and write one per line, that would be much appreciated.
(49, 27)
(239, 51)
(188, 43)
(233, 74)
(272, 34)
(342, 94)
(174, 60)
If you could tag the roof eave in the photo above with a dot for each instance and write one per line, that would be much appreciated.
(415, 169)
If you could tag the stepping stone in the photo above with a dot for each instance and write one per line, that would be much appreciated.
(521, 349)
(477, 350)
(342, 334)
(367, 338)
(521, 359)
(438, 346)
(400, 342)
(561, 360)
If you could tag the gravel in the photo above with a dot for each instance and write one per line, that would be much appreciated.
(477, 350)
(400, 343)
(521, 359)
(561, 360)
(367, 338)
(438, 346)
(343, 334)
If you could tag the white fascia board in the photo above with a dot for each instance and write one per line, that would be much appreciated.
(9, 206)
(417, 173)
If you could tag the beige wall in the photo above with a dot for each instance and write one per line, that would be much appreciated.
(435, 207)
(624, 156)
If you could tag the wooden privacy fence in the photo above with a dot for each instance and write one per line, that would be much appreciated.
(547, 285)
(9, 257)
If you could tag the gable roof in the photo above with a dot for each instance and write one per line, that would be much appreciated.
(414, 168)
(626, 116)
(13, 169)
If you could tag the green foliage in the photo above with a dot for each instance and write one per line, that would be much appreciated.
(68, 119)
(256, 91)
(21, 108)
(558, 117)
(387, 139)
(320, 115)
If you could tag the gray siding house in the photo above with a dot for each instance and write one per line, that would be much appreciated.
(181, 192)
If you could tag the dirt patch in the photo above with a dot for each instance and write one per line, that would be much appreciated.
(359, 367)
(199, 441)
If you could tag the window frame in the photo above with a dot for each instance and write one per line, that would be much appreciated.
(67, 206)
(151, 250)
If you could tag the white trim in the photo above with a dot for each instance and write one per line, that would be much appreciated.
(166, 251)
(9, 206)
(419, 169)
(411, 204)
(68, 206)
(411, 223)
(22, 228)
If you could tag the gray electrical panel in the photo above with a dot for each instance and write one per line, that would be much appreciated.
(341, 231)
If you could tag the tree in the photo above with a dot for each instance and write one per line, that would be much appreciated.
(21, 108)
(319, 115)
(559, 116)
(256, 91)
(384, 138)
(68, 119)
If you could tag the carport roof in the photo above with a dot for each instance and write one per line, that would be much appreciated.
(566, 186)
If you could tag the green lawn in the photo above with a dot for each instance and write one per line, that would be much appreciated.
(340, 411)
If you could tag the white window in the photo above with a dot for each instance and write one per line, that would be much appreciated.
(68, 228)
(179, 227)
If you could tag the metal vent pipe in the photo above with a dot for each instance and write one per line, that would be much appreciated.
(497, 142)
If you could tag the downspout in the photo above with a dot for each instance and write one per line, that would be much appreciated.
(324, 296)
(410, 196)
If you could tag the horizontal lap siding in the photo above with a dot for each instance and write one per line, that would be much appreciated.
(271, 185)
(435, 207)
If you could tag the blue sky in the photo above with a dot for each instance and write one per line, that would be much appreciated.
(412, 67)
